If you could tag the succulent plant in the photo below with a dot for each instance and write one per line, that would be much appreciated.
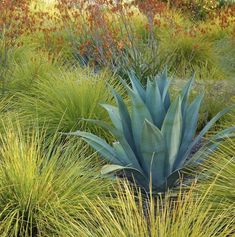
(154, 139)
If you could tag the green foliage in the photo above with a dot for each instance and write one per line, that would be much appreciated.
(218, 177)
(130, 214)
(189, 54)
(222, 3)
(197, 9)
(66, 99)
(142, 58)
(50, 185)
(25, 67)
(43, 187)
(226, 50)
(217, 95)
(154, 141)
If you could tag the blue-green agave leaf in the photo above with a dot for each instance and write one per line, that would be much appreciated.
(190, 126)
(100, 145)
(172, 178)
(162, 80)
(125, 120)
(136, 174)
(210, 146)
(163, 85)
(132, 159)
(214, 142)
(185, 94)
(139, 113)
(121, 152)
(172, 131)
(137, 86)
(154, 153)
(108, 169)
(114, 115)
(205, 130)
(154, 103)
(169, 183)
(225, 133)
(115, 132)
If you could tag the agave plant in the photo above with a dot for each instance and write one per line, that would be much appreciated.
(154, 139)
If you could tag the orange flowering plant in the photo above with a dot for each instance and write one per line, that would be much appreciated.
(15, 20)
(102, 31)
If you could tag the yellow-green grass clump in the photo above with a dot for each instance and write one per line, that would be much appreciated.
(130, 214)
(43, 187)
(63, 102)
(218, 177)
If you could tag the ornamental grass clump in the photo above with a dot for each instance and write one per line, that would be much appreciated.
(218, 176)
(64, 100)
(187, 215)
(43, 185)
(155, 139)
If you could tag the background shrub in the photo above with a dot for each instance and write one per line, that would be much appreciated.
(62, 102)
(26, 67)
